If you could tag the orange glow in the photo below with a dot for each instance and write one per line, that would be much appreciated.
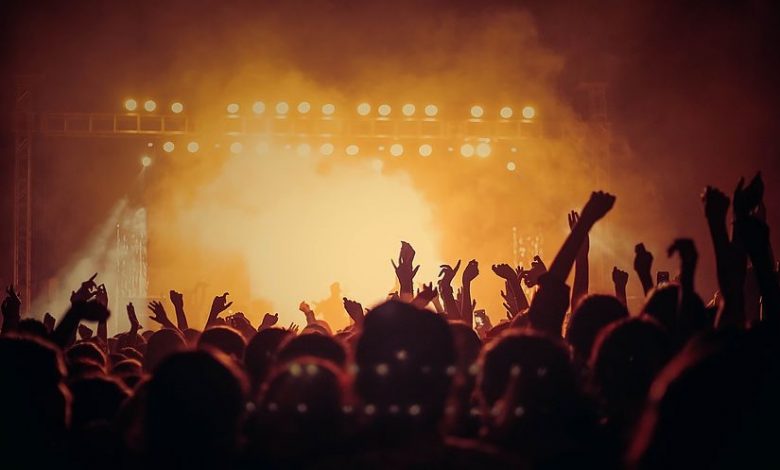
(168, 146)
(529, 112)
(177, 107)
(150, 105)
(131, 104)
(232, 108)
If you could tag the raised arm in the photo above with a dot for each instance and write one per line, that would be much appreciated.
(643, 266)
(218, 305)
(177, 299)
(160, 315)
(620, 279)
(514, 297)
(467, 305)
(11, 308)
(446, 275)
(581, 267)
(405, 272)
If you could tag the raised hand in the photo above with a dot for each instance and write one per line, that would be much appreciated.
(307, 312)
(293, 328)
(471, 271)
(85, 332)
(599, 204)
(686, 249)
(643, 265)
(447, 273)
(242, 324)
(404, 270)
(135, 325)
(160, 315)
(582, 265)
(504, 271)
(85, 292)
(177, 299)
(101, 295)
(451, 305)
(537, 269)
(218, 305)
(425, 295)
(747, 199)
(269, 320)
(48, 322)
(91, 311)
(620, 279)
(716, 204)
(573, 218)
(354, 310)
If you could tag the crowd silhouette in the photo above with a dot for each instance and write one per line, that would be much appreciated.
(568, 379)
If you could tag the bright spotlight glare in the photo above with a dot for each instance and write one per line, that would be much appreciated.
(328, 109)
(483, 149)
(431, 110)
(282, 107)
(304, 107)
(146, 160)
(506, 112)
(177, 107)
(303, 149)
(327, 149)
(511, 166)
(396, 150)
(150, 105)
(425, 150)
(363, 109)
(236, 147)
(408, 110)
(261, 148)
(232, 108)
(131, 104)
(352, 149)
(258, 107)
(384, 110)
(529, 112)
(477, 112)
(467, 150)
(168, 146)
(193, 147)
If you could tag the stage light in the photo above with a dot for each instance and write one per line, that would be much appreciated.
(146, 160)
(425, 150)
(529, 112)
(193, 147)
(477, 112)
(131, 104)
(511, 166)
(506, 112)
(327, 149)
(467, 150)
(431, 110)
(258, 107)
(328, 109)
(483, 149)
(396, 150)
(150, 105)
(236, 147)
(303, 150)
(168, 146)
(282, 107)
(384, 110)
(261, 148)
(304, 107)
(352, 149)
(232, 108)
(177, 107)
(408, 110)
(363, 109)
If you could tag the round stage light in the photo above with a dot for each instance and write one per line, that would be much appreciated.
(177, 107)
(328, 109)
(304, 107)
(146, 160)
(529, 112)
(477, 112)
(303, 150)
(168, 146)
(282, 108)
(483, 149)
(363, 109)
(396, 150)
(131, 104)
(352, 149)
(258, 107)
(327, 149)
(232, 108)
(150, 105)
(467, 150)
(236, 147)
(425, 150)
(193, 147)
(511, 166)
(506, 112)
(261, 148)
(408, 110)
(384, 110)
(431, 110)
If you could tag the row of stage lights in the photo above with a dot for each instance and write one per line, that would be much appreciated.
(282, 108)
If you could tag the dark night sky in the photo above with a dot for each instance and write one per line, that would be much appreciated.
(692, 84)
